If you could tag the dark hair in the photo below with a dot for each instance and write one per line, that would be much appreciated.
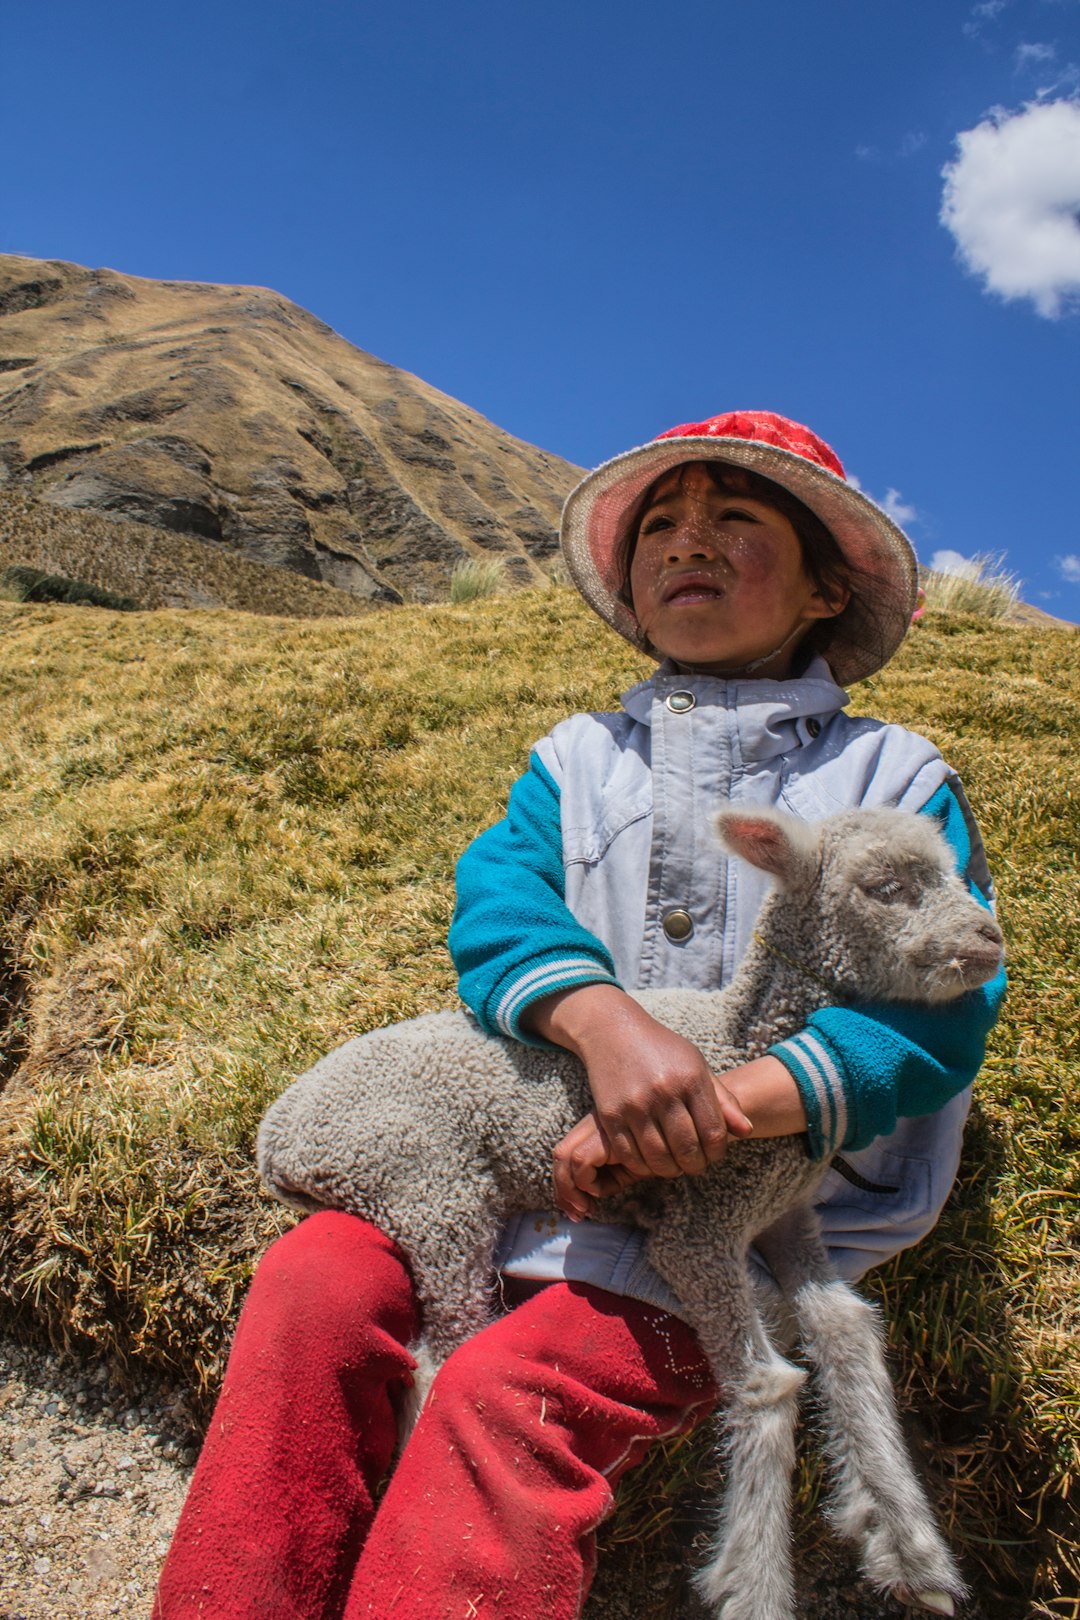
(824, 562)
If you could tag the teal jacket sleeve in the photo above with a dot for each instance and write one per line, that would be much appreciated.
(513, 938)
(858, 1071)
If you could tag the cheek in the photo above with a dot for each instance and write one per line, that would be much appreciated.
(756, 558)
(641, 580)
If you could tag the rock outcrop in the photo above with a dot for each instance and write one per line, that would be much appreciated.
(232, 416)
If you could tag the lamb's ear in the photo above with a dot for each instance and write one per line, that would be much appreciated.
(781, 845)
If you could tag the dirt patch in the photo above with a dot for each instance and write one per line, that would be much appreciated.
(93, 1480)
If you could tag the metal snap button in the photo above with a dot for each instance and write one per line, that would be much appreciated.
(678, 925)
(814, 727)
(681, 702)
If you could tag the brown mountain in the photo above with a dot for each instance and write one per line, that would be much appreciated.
(231, 417)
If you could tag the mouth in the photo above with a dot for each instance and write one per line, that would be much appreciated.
(978, 966)
(966, 970)
(692, 588)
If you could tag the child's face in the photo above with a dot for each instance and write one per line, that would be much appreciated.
(717, 579)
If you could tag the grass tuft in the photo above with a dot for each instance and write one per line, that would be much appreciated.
(474, 577)
(986, 588)
(227, 845)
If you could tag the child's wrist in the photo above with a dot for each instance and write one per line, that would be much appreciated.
(769, 1095)
(578, 1018)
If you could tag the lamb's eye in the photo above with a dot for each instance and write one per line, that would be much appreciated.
(888, 889)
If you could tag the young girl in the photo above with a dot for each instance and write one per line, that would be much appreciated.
(734, 551)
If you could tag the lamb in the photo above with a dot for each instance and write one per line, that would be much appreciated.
(439, 1133)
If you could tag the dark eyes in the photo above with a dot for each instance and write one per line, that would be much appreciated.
(659, 521)
(653, 525)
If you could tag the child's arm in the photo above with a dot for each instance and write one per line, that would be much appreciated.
(762, 1095)
(518, 948)
(513, 937)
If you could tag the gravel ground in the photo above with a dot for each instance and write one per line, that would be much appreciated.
(91, 1484)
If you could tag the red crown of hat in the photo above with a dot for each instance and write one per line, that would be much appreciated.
(765, 428)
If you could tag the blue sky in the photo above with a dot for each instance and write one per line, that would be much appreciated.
(591, 220)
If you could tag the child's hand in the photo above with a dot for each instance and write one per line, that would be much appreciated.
(584, 1171)
(657, 1103)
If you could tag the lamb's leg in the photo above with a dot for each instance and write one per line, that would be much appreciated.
(412, 1402)
(748, 1575)
(878, 1502)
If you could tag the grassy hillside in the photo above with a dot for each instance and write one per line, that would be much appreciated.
(226, 845)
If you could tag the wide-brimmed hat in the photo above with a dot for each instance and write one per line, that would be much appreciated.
(600, 512)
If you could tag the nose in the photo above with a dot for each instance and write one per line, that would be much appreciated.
(692, 539)
(981, 954)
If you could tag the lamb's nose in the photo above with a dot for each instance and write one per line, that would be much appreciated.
(989, 930)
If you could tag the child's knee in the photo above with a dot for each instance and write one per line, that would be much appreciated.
(329, 1280)
(485, 1381)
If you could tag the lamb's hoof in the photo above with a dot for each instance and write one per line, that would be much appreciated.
(935, 1602)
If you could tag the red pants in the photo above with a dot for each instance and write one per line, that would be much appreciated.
(492, 1507)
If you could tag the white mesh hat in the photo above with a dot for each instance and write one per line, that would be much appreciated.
(599, 512)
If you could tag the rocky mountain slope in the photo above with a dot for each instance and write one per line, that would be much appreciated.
(231, 416)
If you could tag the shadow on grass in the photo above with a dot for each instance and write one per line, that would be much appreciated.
(14, 1029)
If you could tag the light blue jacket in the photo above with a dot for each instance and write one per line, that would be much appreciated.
(608, 834)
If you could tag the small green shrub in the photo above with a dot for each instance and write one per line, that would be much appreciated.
(25, 584)
(476, 576)
(986, 588)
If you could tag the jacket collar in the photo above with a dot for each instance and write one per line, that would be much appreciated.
(771, 717)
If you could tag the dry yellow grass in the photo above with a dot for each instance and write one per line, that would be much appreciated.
(986, 588)
(227, 844)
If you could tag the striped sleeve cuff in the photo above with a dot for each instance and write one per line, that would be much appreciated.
(544, 976)
(821, 1086)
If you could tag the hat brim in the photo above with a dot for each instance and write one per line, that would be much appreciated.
(598, 512)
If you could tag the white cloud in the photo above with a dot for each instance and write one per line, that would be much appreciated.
(897, 508)
(910, 143)
(1030, 55)
(1069, 567)
(954, 562)
(985, 12)
(1065, 85)
(894, 504)
(1012, 203)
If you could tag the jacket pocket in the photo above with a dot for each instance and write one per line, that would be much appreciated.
(586, 845)
(891, 1190)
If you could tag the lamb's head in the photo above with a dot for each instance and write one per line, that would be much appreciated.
(871, 902)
